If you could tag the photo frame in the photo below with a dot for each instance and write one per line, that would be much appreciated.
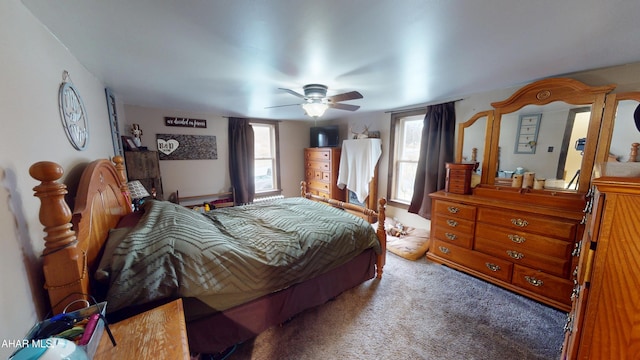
(527, 136)
(128, 144)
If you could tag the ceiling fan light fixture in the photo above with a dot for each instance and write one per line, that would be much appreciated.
(315, 109)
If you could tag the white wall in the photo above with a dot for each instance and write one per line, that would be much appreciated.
(32, 65)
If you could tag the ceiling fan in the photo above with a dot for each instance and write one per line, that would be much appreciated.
(316, 100)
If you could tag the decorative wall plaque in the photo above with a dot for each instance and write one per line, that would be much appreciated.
(73, 114)
(527, 136)
(185, 122)
(186, 147)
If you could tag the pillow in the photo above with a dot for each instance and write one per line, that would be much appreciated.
(104, 267)
(405, 241)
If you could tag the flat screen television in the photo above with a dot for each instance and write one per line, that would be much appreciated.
(324, 136)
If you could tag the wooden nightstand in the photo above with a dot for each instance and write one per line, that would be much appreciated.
(159, 333)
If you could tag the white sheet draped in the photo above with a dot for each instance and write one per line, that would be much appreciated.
(357, 165)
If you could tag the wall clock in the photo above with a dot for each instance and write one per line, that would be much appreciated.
(73, 114)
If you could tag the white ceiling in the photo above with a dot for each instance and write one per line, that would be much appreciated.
(229, 57)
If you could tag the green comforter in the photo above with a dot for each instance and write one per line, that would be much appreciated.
(231, 255)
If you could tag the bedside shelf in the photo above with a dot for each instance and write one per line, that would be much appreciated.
(159, 333)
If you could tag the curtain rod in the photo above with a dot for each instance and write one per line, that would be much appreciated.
(420, 107)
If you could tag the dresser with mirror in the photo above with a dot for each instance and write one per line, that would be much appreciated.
(531, 239)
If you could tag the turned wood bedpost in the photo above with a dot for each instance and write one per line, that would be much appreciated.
(382, 235)
(122, 174)
(64, 264)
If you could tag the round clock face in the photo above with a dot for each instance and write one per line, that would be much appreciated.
(74, 116)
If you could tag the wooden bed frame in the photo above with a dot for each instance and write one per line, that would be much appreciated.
(74, 240)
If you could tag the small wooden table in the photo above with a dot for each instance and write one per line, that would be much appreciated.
(159, 333)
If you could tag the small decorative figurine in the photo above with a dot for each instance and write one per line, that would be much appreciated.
(137, 134)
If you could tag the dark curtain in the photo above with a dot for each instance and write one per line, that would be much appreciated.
(241, 160)
(436, 149)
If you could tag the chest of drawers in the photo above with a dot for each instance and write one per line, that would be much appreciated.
(321, 167)
(603, 322)
(524, 248)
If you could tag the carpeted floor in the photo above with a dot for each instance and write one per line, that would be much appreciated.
(419, 310)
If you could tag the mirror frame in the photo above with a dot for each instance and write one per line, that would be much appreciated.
(543, 92)
(610, 111)
(460, 140)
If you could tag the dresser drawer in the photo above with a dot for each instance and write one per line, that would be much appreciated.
(452, 223)
(551, 265)
(529, 222)
(319, 193)
(318, 154)
(453, 236)
(523, 241)
(482, 263)
(319, 185)
(544, 284)
(461, 211)
(318, 165)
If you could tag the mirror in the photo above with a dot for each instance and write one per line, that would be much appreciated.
(552, 147)
(616, 140)
(521, 138)
(471, 145)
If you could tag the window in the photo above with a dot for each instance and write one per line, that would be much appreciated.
(406, 132)
(266, 165)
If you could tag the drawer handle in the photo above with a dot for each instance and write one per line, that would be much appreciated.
(517, 238)
(575, 292)
(567, 323)
(451, 236)
(493, 267)
(519, 222)
(452, 223)
(533, 281)
(444, 250)
(515, 255)
(576, 249)
(453, 209)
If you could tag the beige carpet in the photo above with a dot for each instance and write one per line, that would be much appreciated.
(419, 310)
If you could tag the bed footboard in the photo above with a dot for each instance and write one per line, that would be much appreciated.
(379, 215)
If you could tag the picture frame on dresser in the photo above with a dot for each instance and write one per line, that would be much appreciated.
(128, 144)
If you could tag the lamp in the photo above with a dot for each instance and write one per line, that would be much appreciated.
(137, 192)
(315, 109)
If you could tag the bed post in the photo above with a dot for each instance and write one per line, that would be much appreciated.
(122, 174)
(64, 264)
(382, 236)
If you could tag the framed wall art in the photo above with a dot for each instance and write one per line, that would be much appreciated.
(527, 136)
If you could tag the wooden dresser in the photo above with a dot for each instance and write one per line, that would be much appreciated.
(517, 240)
(321, 172)
(604, 322)
(144, 166)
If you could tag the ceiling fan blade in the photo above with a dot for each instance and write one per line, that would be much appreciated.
(352, 95)
(293, 93)
(277, 106)
(348, 107)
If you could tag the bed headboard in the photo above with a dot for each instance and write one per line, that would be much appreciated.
(73, 241)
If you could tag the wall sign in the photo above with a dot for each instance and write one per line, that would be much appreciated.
(527, 136)
(186, 147)
(73, 114)
(184, 122)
